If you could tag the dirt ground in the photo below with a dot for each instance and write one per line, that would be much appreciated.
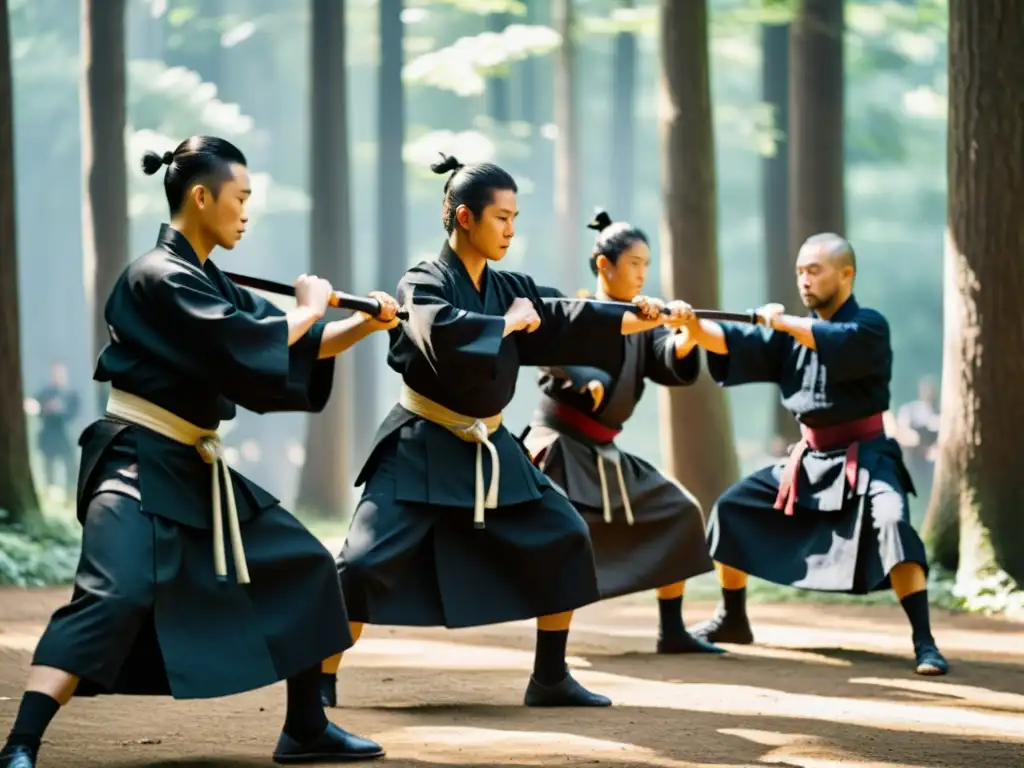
(826, 686)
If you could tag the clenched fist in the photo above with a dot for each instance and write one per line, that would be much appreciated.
(521, 316)
(680, 315)
(769, 312)
(650, 308)
(387, 318)
(314, 293)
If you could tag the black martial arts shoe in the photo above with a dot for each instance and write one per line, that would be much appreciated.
(566, 693)
(686, 643)
(929, 661)
(17, 756)
(725, 627)
(334, 745)
(329, 690)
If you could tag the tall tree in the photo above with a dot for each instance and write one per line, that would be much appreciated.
(499, 95)
(324, 484)
(105, 202)
(567, 171)
(698, 444)
(17, 492)
(392, 247)
(775, 192)
(982, 413)
(624, 65)
(816, 154)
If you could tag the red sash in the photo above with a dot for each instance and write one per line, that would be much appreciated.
(848, 435)
(586, 426)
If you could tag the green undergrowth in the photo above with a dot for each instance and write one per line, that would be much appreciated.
(46, 554)
(43, 553)
(705, 588)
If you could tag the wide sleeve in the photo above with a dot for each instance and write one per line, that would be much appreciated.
(661, 364)
(573, 332)
(754, 356)
(448, 337)
(855, 349)
(240, 341)
(310, 379)
(576, 377)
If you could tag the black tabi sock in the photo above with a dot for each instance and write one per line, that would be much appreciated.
(734, 601)
(916, 607)
(549, 665)
(670, 612)
(34, 715)
(305, 719)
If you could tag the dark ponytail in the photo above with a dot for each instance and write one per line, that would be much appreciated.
(203, 160)
(152, 162)
(470, 185)
(613, 238)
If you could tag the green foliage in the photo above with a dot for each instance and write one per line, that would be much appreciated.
(41, 555)
(464, 66)
(994, 594)
(481, 7)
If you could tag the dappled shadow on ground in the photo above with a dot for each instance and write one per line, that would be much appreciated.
(832, 687)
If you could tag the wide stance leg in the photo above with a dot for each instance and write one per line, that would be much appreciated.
(329, 669)
(47, 690)
(308, 737)
(672, 634)
(730, 623)
(551, 684)
(911, 587)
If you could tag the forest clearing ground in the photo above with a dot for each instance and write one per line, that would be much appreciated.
(826, 686)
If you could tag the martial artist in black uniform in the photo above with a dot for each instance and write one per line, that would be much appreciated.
(158, 607)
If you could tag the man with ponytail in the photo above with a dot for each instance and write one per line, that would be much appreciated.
(647, 530)
(159, 605)
(456, 527)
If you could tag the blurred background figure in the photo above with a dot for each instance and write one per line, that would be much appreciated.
(57, 407)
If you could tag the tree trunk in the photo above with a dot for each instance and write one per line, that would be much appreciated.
(105, 202)
(567, 184)
(941, 529)
(18, 502)
(622, 151)
(392, 247)
(698, 444)
(982, 413)
(775, 193)
(324, 485)
(528, 91)
(816, 155)
(499, 101)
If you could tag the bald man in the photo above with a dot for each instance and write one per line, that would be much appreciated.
(833, 516)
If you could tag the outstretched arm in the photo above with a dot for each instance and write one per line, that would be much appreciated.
(340, 335)
(258, 356)
(446, 335)
(738, 354)
(672, 359)
(849, 349)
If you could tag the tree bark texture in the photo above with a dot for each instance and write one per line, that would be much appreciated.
(983, 366)
(17, 493)
(623, 150)
(104, 168)
(324, 484)
(567, 173)
(816, 147)
(775, 194)
(698, 443)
